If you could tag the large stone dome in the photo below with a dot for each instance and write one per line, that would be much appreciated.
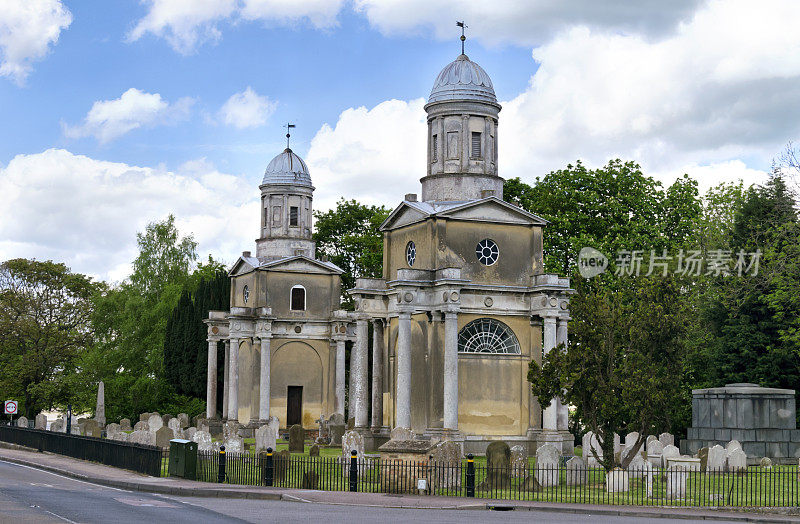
(462, 79)
(287, 168)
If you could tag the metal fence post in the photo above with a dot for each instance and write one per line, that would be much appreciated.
(269, 469)
(470, 475)
(221, 475)
(353, 470)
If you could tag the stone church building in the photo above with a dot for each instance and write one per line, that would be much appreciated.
(462, 307)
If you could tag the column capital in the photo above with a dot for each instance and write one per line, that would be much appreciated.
(549, 319)
(450, 314)
(404, 314)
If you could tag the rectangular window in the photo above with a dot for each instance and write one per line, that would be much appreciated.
(298, 299)
(435, 154)
(293, 215)
(476, 145)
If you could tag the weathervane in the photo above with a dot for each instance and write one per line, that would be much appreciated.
(463, 26)
(288, 134)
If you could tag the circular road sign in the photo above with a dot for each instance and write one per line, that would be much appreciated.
(10, 407)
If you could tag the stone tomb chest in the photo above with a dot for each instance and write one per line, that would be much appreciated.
(762, 419)
(403, 462)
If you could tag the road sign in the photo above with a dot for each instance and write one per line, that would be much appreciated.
(10, 407)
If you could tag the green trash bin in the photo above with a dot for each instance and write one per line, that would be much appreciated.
(183, 458)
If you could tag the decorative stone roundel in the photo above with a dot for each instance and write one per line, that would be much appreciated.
(215, 330)
(487, 252)
(408, 297)
(454, 296)
(411, 253)
(298, 329)
(487, 335)
(488, 302)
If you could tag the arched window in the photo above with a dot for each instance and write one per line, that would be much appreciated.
(487, 335)
(298, 299)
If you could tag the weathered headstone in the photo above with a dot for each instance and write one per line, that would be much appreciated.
(717, 458)
(638, 466)
(267, 435)
(91, 428)
(200, 421)
(57, 425)
(519, 461)
(352, 440)
(22, 422)
(547, 462)
(163, 436)
(766, 463)
(702, 454)
(617, 481)
(230, 429)
(41, 421)
(154, 422)
(649, 439)
(144, 417)
(313, 451)
(498, 466)
(142, 425)
(119, 435)
(183, 418)
(666, 439)
(142, 437)
(100, 408)
(297, 439)
(335, 431)
(733, 444)
(125, 424)
(737, 460)
(676, 481)
(351, 423)
(576, 473)
(175, 425)
(111, 429)
(234, 444)
(203, 439)
(189, 432)
(402, 434)
(281, 461)
(654, 447)
(669, 452)
(446, 463)
(631, 438)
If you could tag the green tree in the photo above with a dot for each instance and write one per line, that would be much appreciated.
(45, 312)
(349, 236)
(620, 367)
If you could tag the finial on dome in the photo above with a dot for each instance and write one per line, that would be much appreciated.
(463, 26)
(288, 134)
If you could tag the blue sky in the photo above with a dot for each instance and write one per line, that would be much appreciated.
(118, 113)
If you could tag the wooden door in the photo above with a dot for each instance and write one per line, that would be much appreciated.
(294, 405)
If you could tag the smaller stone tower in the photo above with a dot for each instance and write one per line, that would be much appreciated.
(286, 195)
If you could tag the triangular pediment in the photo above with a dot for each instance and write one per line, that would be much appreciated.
(301, 264)
(243, 265)
(404, 214)
(492, 209)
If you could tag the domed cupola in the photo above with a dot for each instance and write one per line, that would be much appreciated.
(287, 168)
(462, 79)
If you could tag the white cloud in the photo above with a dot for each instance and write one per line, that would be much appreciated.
(27, 28)
(110, 119)
(247, 109)
(183, 23)
(86, 212)
(385, 144)
(320, 13)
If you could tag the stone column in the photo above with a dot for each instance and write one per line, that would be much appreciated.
(451, 371)
(550, 416)
(226, 383)
(263, 392)
(211, 381)
(563, 411)
(340, 385)
(233, 393)
(403, 411)
(361, 388)
(377, 374)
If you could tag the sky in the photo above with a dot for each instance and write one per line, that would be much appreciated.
(116, 114)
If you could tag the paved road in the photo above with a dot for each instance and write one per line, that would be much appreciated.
(32, 495)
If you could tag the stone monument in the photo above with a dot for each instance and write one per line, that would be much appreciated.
(100, 409)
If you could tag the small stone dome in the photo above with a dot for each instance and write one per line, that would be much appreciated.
(287, 168)
(462, 79)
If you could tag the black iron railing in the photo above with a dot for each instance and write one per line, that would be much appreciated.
(125, 455)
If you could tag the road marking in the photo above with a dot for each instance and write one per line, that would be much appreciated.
(63, 476)
(138, 501)
(65, 519)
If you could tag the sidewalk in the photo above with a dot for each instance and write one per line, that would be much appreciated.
(128, 480)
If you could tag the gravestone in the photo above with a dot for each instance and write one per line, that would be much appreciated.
(576, 473)
(175, 425)
(666, 439)
(91, 428)
(519, 461)
(163, 436)
(676, 481)
(402, 434)
(154, 422)
(125, 424)
(654, 447)
(41, 421)
(100, 408)
(230, 429)
(267, 435)
(142, 425)
(119, 435)
(144, 417)
(617, 481)
(351, 423)
(352, 440)
(234, 444)
(280, 464)
(203, 439)
(498, 466)
(183, 420)
(590, 446)
(142, 437)
(310, 479)
(649, 439)
(22, 422)
(668, 453)
(189, 432)
(446, 460)
(631, 438)
(313, 451)
(57, 426)
(737, 461)
(717, 458)
(112, 429)
(547, 461)
(200, 421)
(733, 444)
(530, 484)
(766, 463)
(638, 466)
(335, 431)
(166, 418)
(702, 454)
(297, 439)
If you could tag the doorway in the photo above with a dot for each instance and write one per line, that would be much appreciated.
(294, 405)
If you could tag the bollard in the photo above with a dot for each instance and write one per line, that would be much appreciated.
(353, 470)
(470, 475)
(269, 469)
(221, 476)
